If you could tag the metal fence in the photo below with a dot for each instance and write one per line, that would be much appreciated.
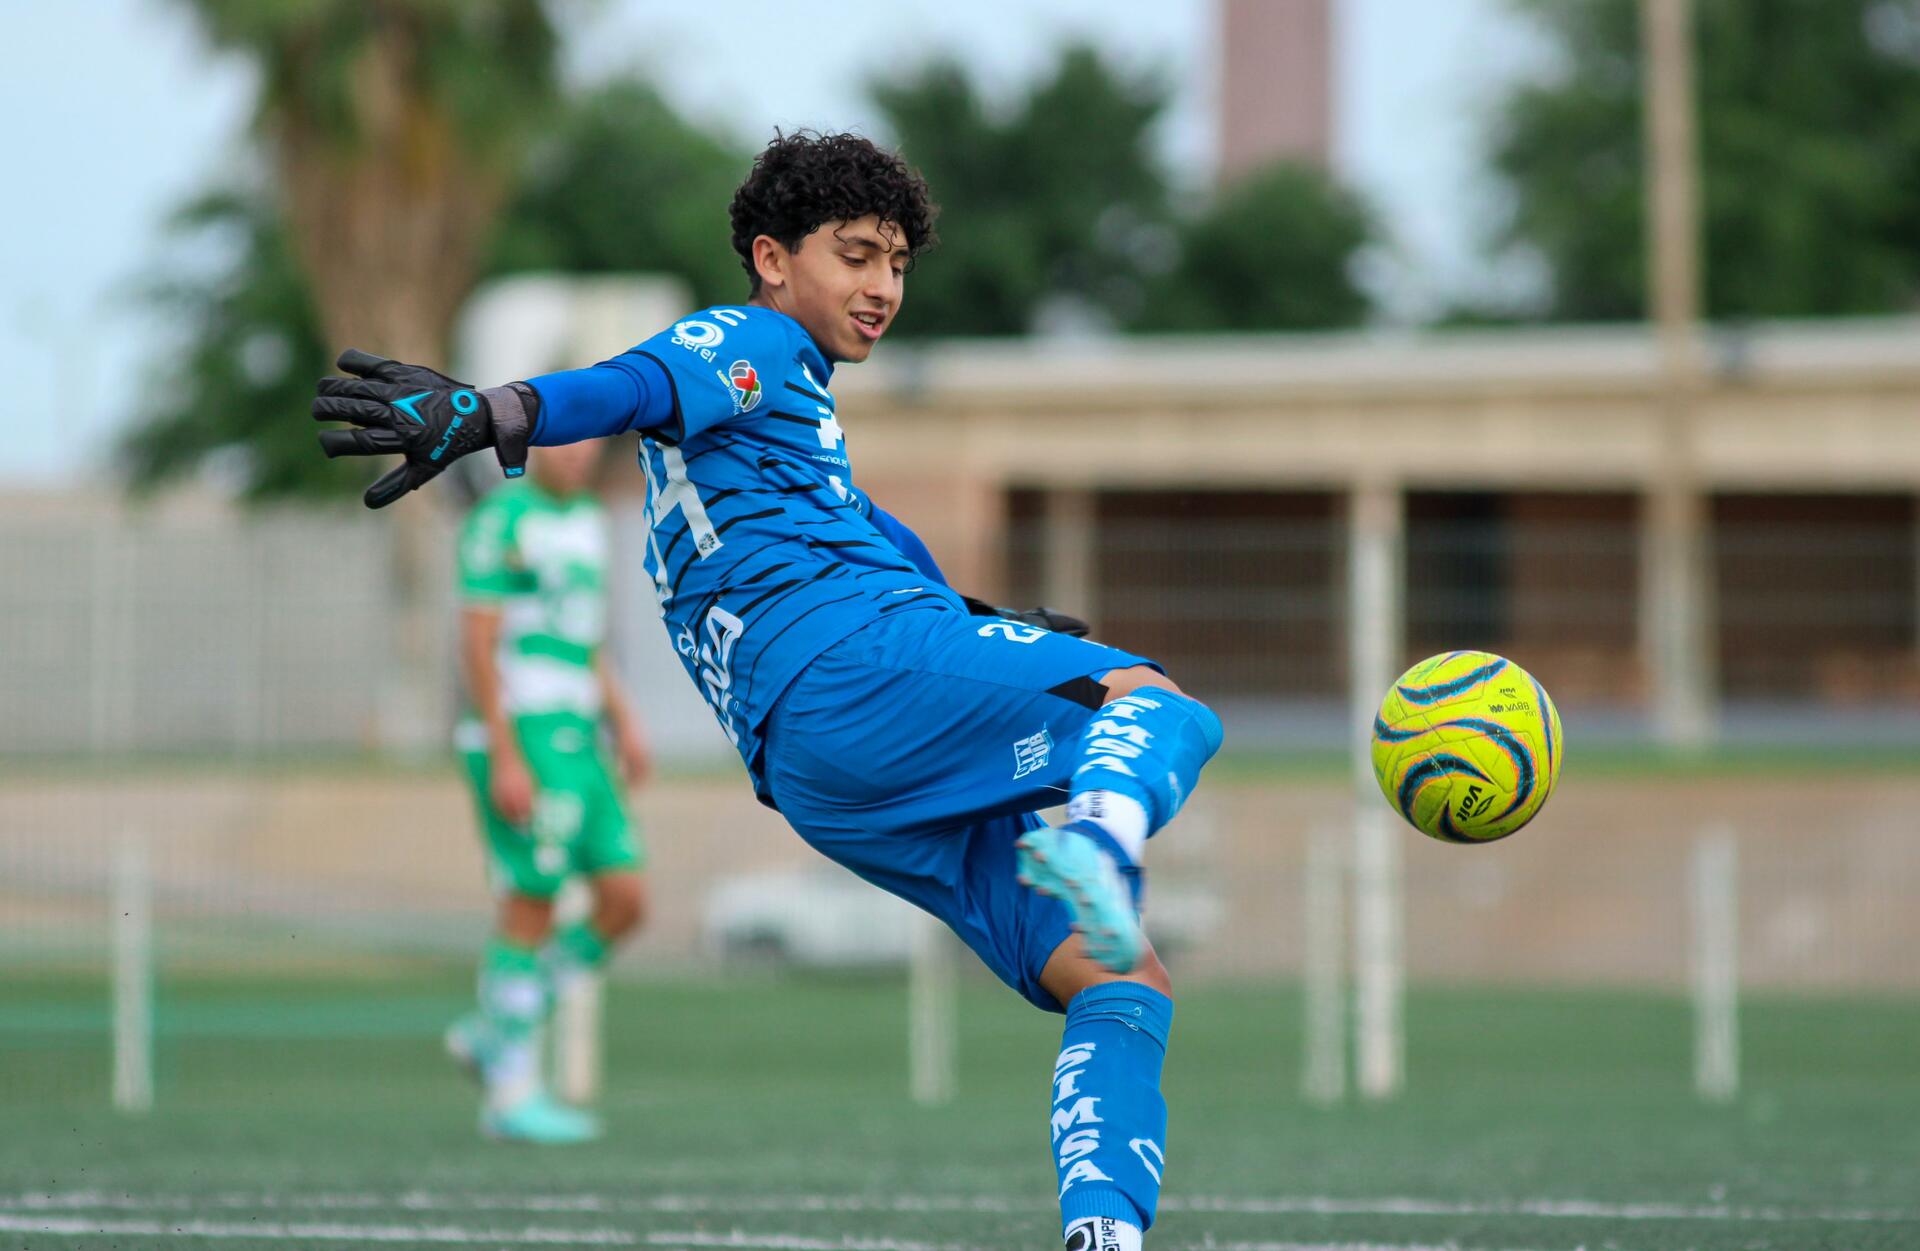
(1817, 611)
(122, 633)
(226, 642)
(284, 631)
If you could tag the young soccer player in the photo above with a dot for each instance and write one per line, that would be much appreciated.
(533, 557)
(899, 735)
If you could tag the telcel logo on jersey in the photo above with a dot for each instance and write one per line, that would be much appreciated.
(744, 381)
(698, 334)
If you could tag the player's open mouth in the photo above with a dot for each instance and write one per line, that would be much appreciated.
(871, 325)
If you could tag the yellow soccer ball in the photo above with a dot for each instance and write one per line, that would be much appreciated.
(1467, 747)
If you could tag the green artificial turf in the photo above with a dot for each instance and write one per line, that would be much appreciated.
(772, 1113)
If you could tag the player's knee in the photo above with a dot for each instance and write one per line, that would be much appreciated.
(1071, 970)
(1150, 972)
(620, 905)
(1123, 682)
(526, 920)
(1204, 721)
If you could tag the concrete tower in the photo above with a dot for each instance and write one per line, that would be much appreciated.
(1276, 83)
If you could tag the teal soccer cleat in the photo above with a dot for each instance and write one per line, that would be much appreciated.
(540, 1120)
(1080, 865)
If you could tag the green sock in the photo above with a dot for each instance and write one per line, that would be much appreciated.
(514, 1001)
(576, 949)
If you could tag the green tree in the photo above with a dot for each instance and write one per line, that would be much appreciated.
(623, 184)
(1809, 137)
(394, 131)
(1274, 251)
(1051, 199)
(248, 347)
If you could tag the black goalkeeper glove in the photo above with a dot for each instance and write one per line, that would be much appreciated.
(423, 415)
(1045, 618)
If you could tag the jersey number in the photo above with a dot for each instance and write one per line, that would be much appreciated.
(1012, 632)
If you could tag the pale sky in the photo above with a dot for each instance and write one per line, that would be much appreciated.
(119, 112)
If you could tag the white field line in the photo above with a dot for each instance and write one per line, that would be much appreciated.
(275, 1231)
(1344, 1246)
(452, 1235)
(1313, 1205)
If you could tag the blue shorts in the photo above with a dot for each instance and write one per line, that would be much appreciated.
(917, 749)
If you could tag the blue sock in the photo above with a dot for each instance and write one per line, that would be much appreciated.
(1109, 1121)
(1149, 747)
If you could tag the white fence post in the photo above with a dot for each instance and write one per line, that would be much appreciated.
(932, 1018)
(1375, 527)
(1716, 965)
(132, 924)
(575, 1037)
(1323, 1073)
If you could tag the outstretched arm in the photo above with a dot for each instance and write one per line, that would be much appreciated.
(628, 393)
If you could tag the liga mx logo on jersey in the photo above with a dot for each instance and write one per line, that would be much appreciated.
(743, 380)
(1032, 753)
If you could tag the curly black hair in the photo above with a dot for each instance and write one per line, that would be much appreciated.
(805, 179)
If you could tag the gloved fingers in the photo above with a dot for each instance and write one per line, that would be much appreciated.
(365, 364)
(355, 389)
(359, 412)
(397, 482)
(360, 442)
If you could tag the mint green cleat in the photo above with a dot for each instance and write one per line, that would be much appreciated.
(1080, 865)
(540, 1120)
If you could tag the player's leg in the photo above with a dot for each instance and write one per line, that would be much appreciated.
(956, 698)
(1136, 762)
(500, 1042)
(1139, 759)
(608, 850)
(618, 911)
(1108, 1119)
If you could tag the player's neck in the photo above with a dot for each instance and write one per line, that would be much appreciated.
(763, 298)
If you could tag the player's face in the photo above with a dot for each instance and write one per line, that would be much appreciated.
(844, 283)
(566, 470)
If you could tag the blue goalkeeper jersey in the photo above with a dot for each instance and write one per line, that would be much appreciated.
(762, 551)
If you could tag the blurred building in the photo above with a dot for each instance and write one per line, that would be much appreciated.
(1276, 83)
(1193, 496)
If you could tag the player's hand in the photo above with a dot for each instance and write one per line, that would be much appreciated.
(1046, 618)
(510, 787)
(426, 417)
(636, 758)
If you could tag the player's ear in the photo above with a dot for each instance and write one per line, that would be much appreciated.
(771, 260)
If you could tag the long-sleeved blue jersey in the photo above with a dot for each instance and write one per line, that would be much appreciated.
(762, 551)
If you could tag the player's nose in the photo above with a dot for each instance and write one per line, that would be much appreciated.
(882, 289)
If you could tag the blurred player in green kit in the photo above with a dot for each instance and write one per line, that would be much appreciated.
(533, 561)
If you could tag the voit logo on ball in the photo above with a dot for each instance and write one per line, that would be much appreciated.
(744, 380)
